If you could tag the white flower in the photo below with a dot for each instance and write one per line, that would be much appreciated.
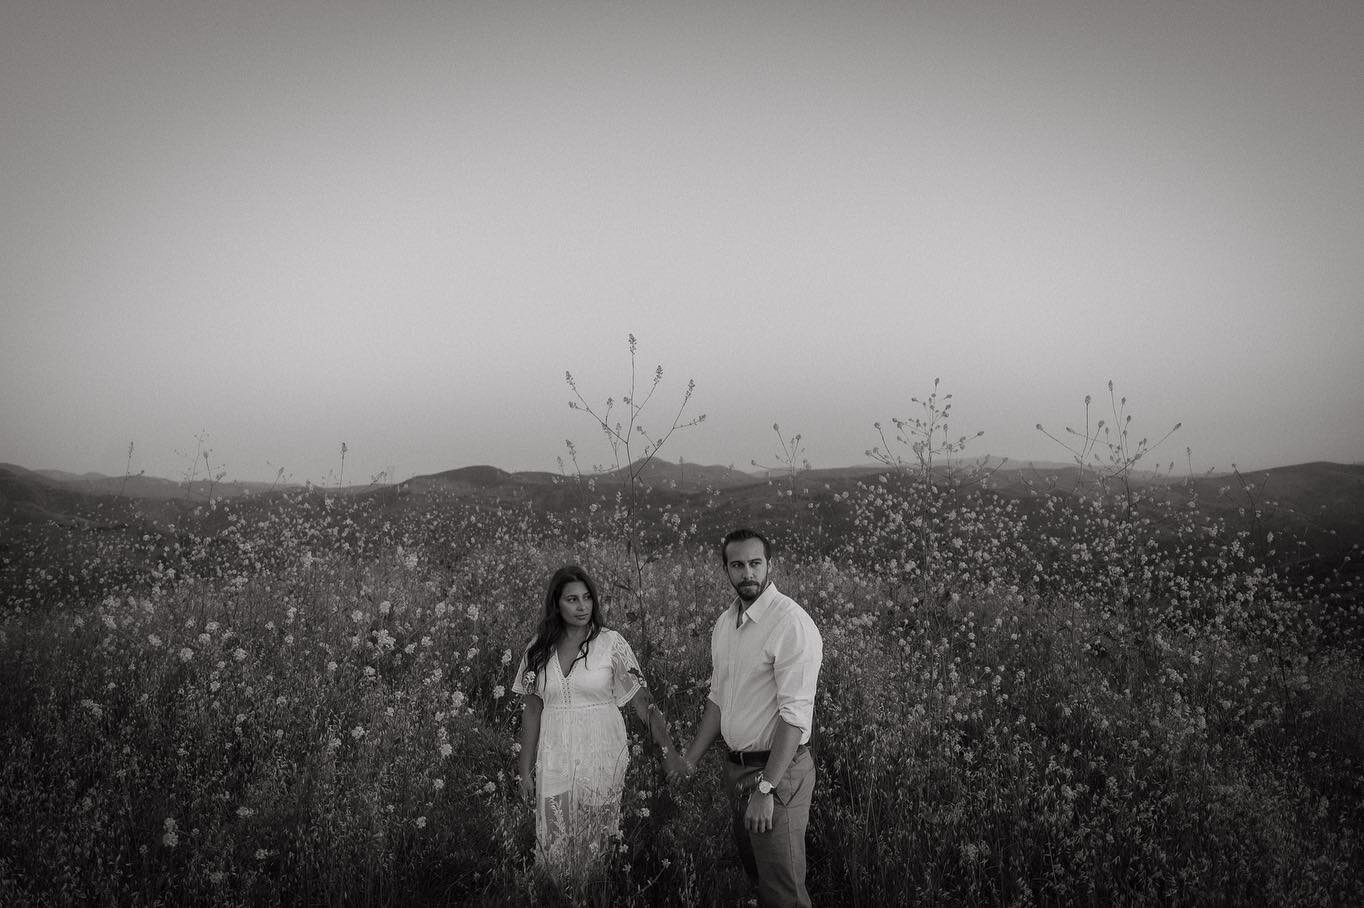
(385, 607)
(446, 750)
(420, 822)
(499, 692)
(644, 811)
(153, 640)
(357, 732)
(438, 784)
(94, 708)
(331, 666)
(211, 627)
(244, 812)
(472, 612)
(288, 639)
(357, 616)
(506, 657)
(489, 788)
(205, 639)
(186, 654)
(239, 654)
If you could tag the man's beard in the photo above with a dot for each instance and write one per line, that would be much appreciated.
(749, 591)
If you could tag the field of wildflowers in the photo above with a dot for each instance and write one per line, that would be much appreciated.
(1088, 697)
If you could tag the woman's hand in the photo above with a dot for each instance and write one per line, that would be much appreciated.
(676, 767)
(527, 785)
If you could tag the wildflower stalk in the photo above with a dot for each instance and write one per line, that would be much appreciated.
(623, 436)
(791, 451)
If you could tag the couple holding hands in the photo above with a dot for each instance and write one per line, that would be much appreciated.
(577, 674)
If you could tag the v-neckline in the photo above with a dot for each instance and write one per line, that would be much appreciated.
(563, 673)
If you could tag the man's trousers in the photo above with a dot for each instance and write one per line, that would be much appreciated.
(775, 860)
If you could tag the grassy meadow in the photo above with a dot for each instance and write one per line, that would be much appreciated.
(1088, 697)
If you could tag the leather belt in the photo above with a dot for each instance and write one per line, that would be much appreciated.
(758, 757)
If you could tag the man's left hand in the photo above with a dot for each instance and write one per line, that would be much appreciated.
(758, 816)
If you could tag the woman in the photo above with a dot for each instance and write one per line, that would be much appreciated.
(575, 676)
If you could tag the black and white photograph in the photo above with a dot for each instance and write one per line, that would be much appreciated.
(605, 453)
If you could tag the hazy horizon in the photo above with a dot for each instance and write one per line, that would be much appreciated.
(396, 226)
(774, 469)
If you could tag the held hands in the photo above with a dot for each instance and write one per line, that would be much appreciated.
(676, 767)
(527, 787)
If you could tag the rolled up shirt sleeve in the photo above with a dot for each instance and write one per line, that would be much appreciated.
(797, 653)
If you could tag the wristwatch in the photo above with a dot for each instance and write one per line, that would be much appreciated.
(764, 787)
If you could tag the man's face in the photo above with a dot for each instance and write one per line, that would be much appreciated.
(747, 568)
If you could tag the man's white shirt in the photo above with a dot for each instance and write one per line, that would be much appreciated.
(764, 664)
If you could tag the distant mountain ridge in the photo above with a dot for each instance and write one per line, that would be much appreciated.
(680, 476)
(1322, 498)
(139, 485)
(64, 476)
(677, 476)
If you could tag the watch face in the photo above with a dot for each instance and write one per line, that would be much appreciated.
(765, 787)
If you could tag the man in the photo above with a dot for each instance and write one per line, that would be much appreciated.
(765, 657)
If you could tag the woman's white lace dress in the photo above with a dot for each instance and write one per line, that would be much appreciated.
(583, 751)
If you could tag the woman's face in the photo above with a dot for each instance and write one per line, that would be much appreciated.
(575, 604)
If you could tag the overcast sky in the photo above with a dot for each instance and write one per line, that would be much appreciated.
(396, 225)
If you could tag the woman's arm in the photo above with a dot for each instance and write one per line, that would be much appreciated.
(530, 742)
(653, 719)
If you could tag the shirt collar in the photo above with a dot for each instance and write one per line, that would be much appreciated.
(759, 607)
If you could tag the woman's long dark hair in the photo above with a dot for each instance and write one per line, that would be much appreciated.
(552, 623)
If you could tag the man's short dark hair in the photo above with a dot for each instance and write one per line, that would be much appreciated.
(740, 535)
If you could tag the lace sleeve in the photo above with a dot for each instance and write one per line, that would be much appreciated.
(626, 678)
